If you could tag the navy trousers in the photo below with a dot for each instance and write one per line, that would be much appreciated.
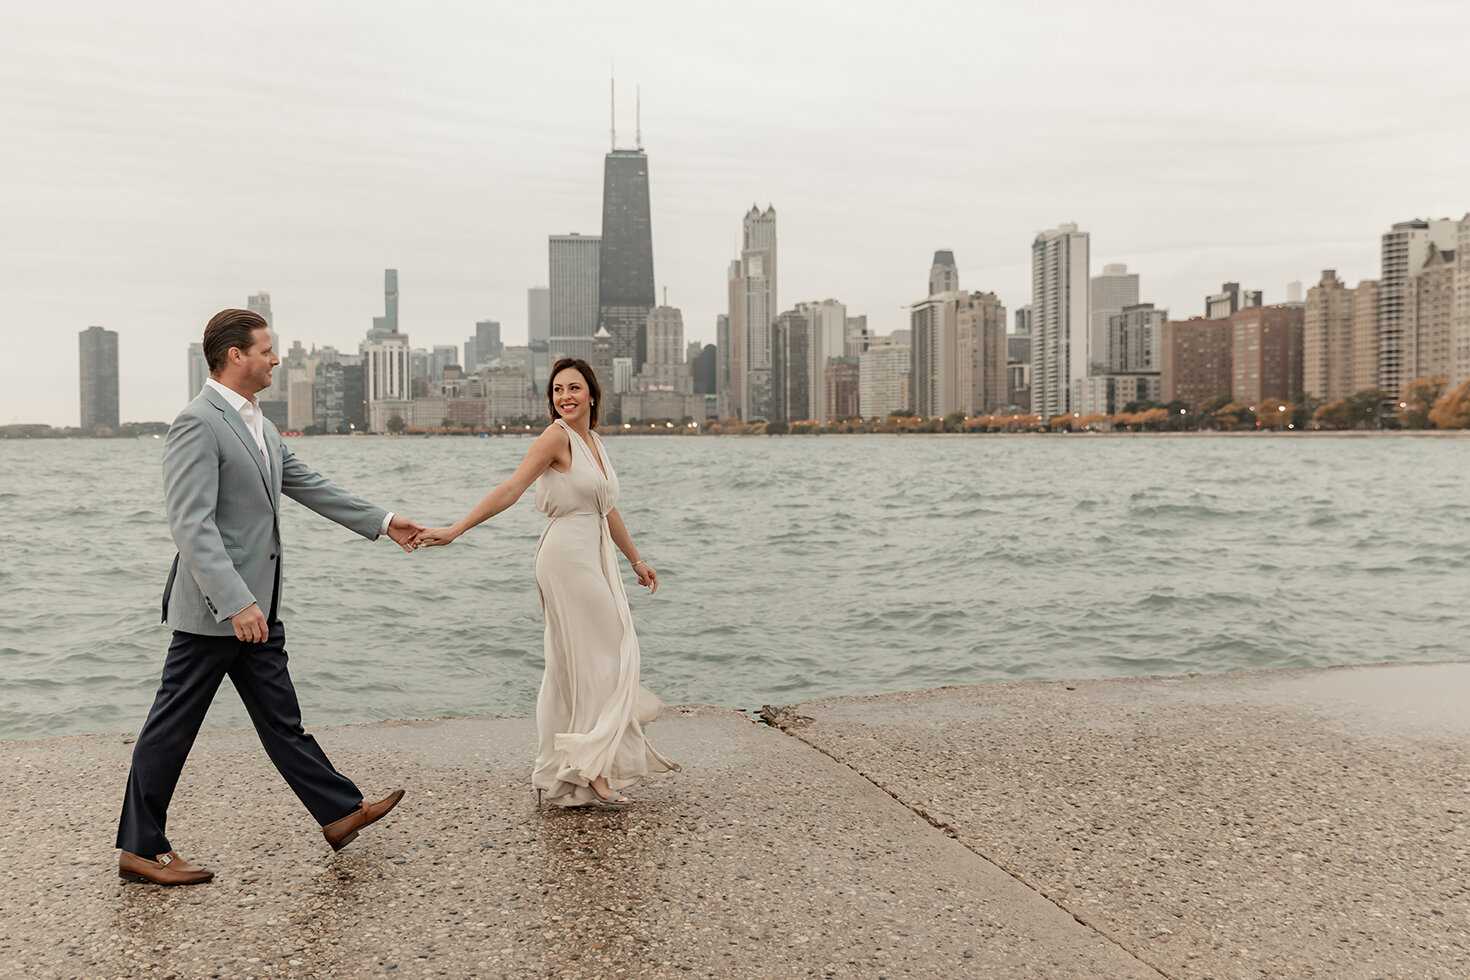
(191, 674)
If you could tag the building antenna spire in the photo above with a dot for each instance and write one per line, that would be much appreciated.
(638, 115)
(613, 106)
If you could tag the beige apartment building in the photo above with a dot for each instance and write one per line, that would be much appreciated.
(980, 342)
(1429, 311)
(1327, 335)
(1364, 342)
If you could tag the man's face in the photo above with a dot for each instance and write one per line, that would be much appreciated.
(259, 359)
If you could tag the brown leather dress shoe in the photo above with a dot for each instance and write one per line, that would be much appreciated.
(340, 833)
(167, 869)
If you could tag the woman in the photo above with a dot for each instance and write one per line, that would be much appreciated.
(591, 742)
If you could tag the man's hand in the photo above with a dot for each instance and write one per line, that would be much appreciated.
(402, 531)
(250, 626)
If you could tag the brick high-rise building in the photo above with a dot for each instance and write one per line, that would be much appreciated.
(1266, 354)
(1194, 360)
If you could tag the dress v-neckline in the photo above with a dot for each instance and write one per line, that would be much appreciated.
(576, 436)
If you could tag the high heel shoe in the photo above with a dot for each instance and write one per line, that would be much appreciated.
(614, 799)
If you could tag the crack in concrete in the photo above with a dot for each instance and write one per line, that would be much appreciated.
(783, 720)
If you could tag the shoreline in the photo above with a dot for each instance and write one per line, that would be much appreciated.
(677, 434)
(769, 714)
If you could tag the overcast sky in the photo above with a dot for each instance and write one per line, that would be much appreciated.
(164, 160)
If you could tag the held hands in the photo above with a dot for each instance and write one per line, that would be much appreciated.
(435, 537)
(250, 625)
(403, 531)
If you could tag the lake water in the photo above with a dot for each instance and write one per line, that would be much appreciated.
(791, 568)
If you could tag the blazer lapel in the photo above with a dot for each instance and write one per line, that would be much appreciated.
(273, 448)
(234, 421)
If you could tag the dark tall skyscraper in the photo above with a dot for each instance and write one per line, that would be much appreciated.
(98, 377)
(487, 340)
(625, 292)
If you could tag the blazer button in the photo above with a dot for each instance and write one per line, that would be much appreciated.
(273, 556)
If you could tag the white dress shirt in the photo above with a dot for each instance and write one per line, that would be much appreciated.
(249, 411)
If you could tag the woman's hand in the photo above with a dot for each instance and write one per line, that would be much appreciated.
(435, 537)
(647, 577)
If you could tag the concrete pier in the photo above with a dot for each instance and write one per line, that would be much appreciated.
(1287, 823)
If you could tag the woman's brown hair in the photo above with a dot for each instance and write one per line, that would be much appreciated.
(587, 374)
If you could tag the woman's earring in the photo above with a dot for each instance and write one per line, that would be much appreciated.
(591, 401)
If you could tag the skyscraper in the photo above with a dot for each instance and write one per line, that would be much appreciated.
(1111, 291)
(791, 346)
(625, 291)
(883, 380)
(1129, 361)
(943, 276)
(574, 286)
(665, 346)
(98, 377)
(827, 330)
(538, 314)
(753, 299)
(1266, 353)
(1194, 358)
(441, 357)
(725, 402)
(389, 320)
(1059, 319)
(487, 341)
(1327, 339)
(935, 361)
(1404, 250)
(981, 353)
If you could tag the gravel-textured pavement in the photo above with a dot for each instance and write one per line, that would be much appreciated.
(1289, 823)
(763, 859)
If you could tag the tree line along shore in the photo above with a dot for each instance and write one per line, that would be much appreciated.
(1424, 404)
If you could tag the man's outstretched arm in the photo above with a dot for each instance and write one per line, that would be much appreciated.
(312, 490)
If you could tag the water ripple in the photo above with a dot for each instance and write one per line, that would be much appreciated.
(791, 568)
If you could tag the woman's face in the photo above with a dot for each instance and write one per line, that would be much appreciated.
(570, 395)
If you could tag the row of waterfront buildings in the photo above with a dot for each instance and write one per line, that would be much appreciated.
(1083, 345)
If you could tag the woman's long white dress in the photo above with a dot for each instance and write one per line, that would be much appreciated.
(586, 713)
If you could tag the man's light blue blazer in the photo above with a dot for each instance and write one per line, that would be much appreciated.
(223, 500)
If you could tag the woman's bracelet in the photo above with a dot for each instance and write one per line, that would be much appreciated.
(639, 562)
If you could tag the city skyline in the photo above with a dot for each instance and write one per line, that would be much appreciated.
(130, 176)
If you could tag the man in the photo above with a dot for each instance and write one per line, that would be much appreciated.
(224, 469)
